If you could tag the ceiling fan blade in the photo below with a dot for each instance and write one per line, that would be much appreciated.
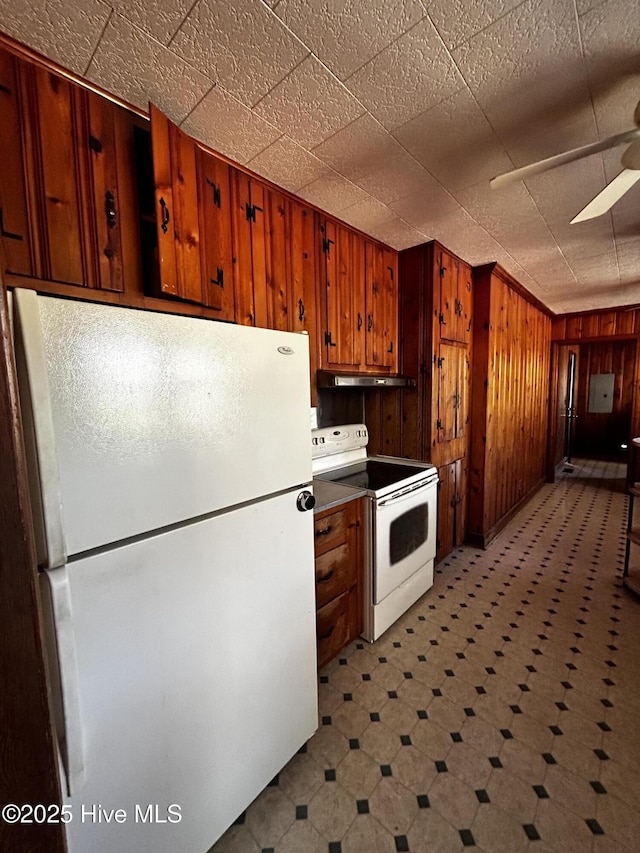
(612, 193)
(631, 157)
(566, 157)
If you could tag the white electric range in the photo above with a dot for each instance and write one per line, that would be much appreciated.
(400, 520)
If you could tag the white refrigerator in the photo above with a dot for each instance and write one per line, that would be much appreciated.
(166, 458)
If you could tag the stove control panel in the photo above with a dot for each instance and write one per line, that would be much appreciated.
(338, 439)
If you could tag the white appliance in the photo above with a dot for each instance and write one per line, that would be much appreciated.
(400, 521)
(176, 559)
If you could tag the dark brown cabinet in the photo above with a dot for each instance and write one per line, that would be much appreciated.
(452, 506)
(338, 553)
(66, 167)
(360, 304)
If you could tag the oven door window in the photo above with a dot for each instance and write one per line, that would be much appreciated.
(405, 538)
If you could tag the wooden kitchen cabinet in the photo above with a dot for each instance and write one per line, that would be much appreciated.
(454, 297)
(360, 305)
(432, 424)
(65, 162)
(338, 560)
(452, 506)
(381, 306)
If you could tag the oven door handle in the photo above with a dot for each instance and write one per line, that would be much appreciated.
(410, 493)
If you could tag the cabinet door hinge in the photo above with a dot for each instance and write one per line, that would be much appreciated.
(216, 195)
(220, 280)
(327, 339)
(438, 424)
(440, 361)
(441, 319)
(442, 271)
(251, 211)
(326, 244)
(390, 272)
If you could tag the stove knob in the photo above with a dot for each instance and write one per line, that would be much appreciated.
(305, 501)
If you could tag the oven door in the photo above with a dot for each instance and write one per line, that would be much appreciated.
(405, 526)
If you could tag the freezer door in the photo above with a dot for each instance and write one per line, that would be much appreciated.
(195, 670)
(141, 420)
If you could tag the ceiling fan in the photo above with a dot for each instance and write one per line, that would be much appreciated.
(613, 192)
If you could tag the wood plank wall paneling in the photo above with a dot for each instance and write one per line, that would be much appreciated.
(621, 323)
(510, 400)
(602, 433)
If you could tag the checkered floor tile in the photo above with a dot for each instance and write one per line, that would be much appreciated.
(501, 713)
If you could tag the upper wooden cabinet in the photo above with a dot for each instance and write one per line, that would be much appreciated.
(381, 277)
(177, 220)
(455, 303)
(359, 282)
(65, 158)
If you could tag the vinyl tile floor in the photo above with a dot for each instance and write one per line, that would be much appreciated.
(500, 713)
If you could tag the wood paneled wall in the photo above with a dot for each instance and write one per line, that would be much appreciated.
(624, 324)
(602, 433)
(510, 400)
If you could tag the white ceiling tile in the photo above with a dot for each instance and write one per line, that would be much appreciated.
(332, 192)
(225, 124)
(454, 142)
(239, 44)
(367, 214)
(309, 105)
(458, 20)
(133, 65)
(414, 73)
(399, 177)
(610, 36)
(288, 165)
(423, 209)
(583, 239)
(65, 32)
(584, 6)
(398, 234)
(562, 193)
(572, 130)
(359, 148)
(526, 70)
(629, 262)
(626, 221)
(345, 35)
(159, 18)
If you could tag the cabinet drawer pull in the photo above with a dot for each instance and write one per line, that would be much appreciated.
(325, 578)
(369, 322)
(110, 209)
(326, 634)
(324, 532)
(300, 310)
(359, 321)
(165, 215)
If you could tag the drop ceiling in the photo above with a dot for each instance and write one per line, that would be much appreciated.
(394, 114)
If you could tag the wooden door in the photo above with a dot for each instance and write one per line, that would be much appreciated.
(176, 194)
(303, 313)
(59, 194)
(216, 246)
(344, 281)
(243, 263)
(381, 302)
(15, 229)
(453, 405)
(270, 256)
(464, 303)
(99, 141)
(446, 273)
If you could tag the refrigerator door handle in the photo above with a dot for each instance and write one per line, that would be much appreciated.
(35, 400)
(63, 667)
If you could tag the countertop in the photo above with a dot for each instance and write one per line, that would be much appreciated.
(329, 494)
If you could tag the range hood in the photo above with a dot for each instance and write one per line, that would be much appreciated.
(329, 379)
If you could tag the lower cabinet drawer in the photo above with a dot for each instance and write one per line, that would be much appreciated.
(334, 629)
(335, 573)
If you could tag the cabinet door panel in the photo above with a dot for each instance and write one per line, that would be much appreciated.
(14, 219)
(375, 305)
(462, 472)
(465, 302)
(446, 497)
(216, 247)
(243, 273)
(58, 182)
(176, 190)
(100, 138)
(345, 294)
(270, 242)
(453, 369)
(446, 273)
(390, 311)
